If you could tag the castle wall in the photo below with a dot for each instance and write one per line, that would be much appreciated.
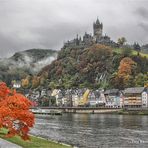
(88, 39)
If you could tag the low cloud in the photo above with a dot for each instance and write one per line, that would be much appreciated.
(47, 24)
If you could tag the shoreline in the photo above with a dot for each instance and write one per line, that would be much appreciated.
(35, 141)
(85, 110)
(115, 112)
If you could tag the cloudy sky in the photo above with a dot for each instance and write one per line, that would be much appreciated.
(26, 24)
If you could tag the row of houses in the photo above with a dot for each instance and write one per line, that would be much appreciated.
(114, 98)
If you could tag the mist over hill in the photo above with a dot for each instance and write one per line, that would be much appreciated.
(25, 62)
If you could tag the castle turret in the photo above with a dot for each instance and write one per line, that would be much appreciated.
(97, 27)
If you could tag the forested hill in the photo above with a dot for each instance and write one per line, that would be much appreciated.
(97, 66)
(32, 55)
(24, 63)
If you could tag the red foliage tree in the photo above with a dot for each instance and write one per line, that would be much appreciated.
(14, 112)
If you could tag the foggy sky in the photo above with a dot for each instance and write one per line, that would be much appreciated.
(26, 24)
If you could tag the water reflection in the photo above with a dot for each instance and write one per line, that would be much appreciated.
(95, 130)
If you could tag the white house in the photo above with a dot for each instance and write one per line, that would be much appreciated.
(112, 97)
(145, 98)
(17, 84)
(75, 100)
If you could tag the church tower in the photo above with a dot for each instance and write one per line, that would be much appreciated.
(97, 27)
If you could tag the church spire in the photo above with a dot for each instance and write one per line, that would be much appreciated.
(97, 21)
(98, 28)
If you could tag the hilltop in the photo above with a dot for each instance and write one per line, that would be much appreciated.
(97, 61)
(96, 66)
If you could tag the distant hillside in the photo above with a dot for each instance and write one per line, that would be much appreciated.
(25, 62)
(95, 66)
(143, 53)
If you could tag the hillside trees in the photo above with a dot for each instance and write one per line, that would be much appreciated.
(35, 81)
(141, 79)
(127, 66)
(14, 112)
(121, 41)
(126, 52)
(142, 63)
(25, 82)
(80, 67)
(125, 74)
(137, 47)
(95, 67)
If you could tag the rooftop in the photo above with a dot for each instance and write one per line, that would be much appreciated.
(134, 90)
(111, 91)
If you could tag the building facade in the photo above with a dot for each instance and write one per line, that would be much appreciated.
(145, 98)
(133, 97)
(112, 97)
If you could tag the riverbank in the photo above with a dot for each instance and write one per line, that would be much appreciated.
(132, 112)
(94, 110)
(111, 111)
(34, 142)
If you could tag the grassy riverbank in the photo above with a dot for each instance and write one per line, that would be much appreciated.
(134, 112)
(35, 142)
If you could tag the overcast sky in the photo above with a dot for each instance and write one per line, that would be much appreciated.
(26, 24)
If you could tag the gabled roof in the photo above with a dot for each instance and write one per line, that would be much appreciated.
(134, 90)
(111, 91)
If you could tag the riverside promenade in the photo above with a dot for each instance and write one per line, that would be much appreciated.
(7, 144)
(75, 109)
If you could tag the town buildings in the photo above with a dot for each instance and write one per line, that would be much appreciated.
(136, 97)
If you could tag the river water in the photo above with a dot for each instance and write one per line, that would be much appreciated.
(95, 130)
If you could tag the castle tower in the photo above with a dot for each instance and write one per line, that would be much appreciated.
(97, 27)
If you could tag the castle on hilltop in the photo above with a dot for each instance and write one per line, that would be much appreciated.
(89, 40)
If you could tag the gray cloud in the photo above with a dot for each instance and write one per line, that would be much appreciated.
(48, 23)
(143, 12)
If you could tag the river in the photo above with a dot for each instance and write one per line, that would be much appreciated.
(95, 130)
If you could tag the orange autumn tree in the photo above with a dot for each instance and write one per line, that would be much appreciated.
(14, 112)
(126, 71)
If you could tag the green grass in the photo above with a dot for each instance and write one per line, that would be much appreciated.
(119, 51)
(35, 142)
